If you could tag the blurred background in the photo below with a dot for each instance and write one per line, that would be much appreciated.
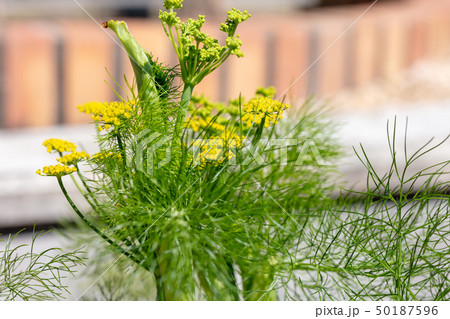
(367, 62)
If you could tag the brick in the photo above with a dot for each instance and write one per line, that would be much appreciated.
(418, 39)
(392, 45)
(390, 37)
(442, 30)
(367, 51)
(438, 35)
(249, 72)
(210, 85)
(88, 50)
(2, 79)
(30, 73)
(213, 85)
(292, 57)
(331, 66)
(432, 43)
(436, 27)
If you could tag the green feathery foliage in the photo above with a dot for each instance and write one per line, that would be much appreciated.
(29, 275)
(389, 242)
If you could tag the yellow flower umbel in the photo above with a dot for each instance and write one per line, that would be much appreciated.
(263, 108)
(232, 140)
(61, 146)
(198, 122)
(73, 158)
(107, 114)
(210, 150)
(100, 156)
(56, 170)
(199, 53)
(217, 149)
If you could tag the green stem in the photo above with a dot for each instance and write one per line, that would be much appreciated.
(399, 253)
(91, 226)
(181, 116)
(121, 148)
(86, 193)
(175, 258)
(230, 270)
(160, 296)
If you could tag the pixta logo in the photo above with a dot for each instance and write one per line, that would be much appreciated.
(306, 152)
(152, 151)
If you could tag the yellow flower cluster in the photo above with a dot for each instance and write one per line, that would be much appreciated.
(217, 148)
(56, 170)
(104, 155)
(198, 122)
(261, 108)
(211, 150)
(61, 146)
(73, 158)
(55, 144)
(108, 113)
(232, 139)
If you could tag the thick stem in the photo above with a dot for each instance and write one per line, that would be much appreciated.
(175, 258)
(160, 296)
(257, 282)
(181, 115)
(140, 61)
(230, 269)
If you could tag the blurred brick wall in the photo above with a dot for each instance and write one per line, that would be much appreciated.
(47, 68)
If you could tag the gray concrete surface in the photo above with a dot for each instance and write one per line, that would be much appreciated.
(425, 121)
(26, 198)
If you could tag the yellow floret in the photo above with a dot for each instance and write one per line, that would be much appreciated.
(107, 114)
(217, 149)
(73, 158)
(54, 144)
(106, 155)
(198, 122)
(263, 108)
(56, 170)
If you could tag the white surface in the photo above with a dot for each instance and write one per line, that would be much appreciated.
(425, 121)
(26, 197)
